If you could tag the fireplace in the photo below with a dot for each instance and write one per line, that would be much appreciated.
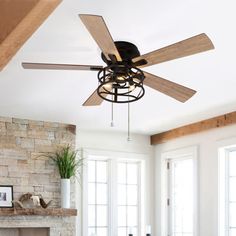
(24, 231)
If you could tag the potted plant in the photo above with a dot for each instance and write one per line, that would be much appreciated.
(68, 164)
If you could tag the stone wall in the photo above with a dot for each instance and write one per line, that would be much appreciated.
(58, 226)
(22, 144)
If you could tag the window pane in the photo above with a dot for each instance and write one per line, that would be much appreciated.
(232, 189)
(232, 232)
(134, 231)
(91, 171)
(232, 163)
(102, 171)
(232, 214)
(182, 196)
(122, 231)
(122, 216)
(132, 194)
(101, 193)
(132, 173)
(91, 193)
(132, 215)
(121, 194)
(91, 231)
(101, 231)
(122, 173)
(91, 216)
(101, 216)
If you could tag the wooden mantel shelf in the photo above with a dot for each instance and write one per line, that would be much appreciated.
(38, 212)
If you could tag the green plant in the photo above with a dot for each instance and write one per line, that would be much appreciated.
(66, 160)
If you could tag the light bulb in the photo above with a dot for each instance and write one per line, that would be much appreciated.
(107, 86)
(136, 80)
(120, 78)
(131, 87)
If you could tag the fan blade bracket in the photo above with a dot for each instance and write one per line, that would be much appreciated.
(96, 68)
(140, 62)
(113, 58)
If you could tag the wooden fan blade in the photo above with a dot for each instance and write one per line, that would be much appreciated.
(93, 100)
(46, 66)
(176, 91)
(100, 33)
(187, 47)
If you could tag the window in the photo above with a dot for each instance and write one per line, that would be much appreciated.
(97, 198)
(112, 197)
(181, 197)
(180, 193)
(227, 193)
(128, 192)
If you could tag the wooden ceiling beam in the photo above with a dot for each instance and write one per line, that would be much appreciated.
(16, 32)
(204, 125)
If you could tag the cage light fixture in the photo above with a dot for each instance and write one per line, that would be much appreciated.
(120, 83)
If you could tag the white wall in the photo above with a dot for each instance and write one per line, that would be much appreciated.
(117, 143)
(208, 143)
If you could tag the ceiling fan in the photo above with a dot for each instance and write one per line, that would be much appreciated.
(122, 79)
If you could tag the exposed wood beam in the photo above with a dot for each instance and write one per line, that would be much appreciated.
(19, 20)
(204, 125)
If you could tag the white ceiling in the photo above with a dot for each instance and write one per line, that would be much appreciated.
(58, 95)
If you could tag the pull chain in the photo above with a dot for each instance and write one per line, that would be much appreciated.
(128, 138)
(112, 115)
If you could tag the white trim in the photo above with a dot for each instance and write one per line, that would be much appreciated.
(179, 153)
(113, 154)
(225, 143)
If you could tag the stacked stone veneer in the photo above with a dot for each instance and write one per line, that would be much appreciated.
(22, 164)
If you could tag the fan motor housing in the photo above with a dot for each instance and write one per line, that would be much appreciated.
(127, 52)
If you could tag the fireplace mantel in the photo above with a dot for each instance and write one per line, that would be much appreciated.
(38, 212)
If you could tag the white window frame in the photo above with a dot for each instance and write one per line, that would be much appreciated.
(108, 192)
(113, 158)
(223, 190)
(178, 154)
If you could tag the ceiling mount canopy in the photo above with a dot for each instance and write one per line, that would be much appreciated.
(122, 80)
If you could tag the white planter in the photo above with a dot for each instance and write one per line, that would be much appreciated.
(65, 193)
